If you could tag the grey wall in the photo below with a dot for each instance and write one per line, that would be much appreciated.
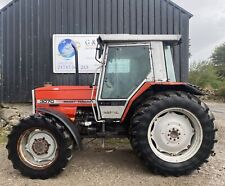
(27, 26)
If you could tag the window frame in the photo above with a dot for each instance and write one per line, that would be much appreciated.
(169, 66)
(149, 76)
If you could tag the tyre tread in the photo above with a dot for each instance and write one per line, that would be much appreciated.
(27, 171)
(136, 128)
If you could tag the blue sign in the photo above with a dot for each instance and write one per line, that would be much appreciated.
(65, 48)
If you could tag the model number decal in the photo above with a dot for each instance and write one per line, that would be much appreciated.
(45, 101)
(49, 101)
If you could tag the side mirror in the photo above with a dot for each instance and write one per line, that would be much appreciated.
(99, 50)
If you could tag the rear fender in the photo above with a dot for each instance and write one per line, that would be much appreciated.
(150, 88)
(186, 87)
(72, 128)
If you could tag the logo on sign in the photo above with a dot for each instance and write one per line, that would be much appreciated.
(65, 48)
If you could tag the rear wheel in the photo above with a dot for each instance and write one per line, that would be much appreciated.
(173, 133)
(39, 147)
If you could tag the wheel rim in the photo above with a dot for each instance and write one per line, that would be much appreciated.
(175, 135)
(37, 148)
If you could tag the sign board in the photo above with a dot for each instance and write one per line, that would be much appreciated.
(64, 53)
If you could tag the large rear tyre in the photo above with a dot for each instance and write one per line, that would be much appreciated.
(173, 133)
(39, 147)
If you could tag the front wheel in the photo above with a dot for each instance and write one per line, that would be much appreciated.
(39, 147)
(173, 133)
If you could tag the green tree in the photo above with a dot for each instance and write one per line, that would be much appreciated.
(210, 74)
(218, 55)
(204, 75)
(218, 59)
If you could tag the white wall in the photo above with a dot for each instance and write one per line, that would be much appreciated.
(3, 3)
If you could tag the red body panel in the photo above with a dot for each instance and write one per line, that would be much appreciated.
(145, 87)
(65, 99)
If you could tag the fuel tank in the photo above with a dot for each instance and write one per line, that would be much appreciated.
(65, 99)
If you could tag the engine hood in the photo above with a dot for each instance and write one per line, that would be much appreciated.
(65, 99)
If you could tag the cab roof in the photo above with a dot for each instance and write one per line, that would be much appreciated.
(120, 38)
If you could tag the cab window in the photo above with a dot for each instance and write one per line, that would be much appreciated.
(126, 68)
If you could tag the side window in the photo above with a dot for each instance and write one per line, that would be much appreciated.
(169, 63)
(126, 68)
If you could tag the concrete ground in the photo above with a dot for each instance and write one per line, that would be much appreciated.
(117, 165)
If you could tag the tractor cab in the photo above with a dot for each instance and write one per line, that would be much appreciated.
(128, 63)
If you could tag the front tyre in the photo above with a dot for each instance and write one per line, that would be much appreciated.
(173, 133)
(39, 147)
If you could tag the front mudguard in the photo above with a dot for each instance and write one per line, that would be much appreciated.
(72, 128)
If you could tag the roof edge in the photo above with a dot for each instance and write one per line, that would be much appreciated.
(112, 38)
(179, 7)
(168, 1)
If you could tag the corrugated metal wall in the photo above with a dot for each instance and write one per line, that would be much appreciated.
(27, 26)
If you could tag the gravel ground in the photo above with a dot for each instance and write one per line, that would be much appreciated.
(117, 165)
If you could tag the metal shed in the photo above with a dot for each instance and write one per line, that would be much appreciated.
(27, 26)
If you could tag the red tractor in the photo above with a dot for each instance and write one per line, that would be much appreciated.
(135, 96)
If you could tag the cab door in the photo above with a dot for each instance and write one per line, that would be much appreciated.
(125, 70)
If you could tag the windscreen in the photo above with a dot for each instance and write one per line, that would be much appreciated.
(126, 68)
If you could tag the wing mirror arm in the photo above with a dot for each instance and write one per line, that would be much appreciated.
(97, 55)
(99, 50)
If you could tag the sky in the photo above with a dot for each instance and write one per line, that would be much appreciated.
(3, 3)
(207, 26)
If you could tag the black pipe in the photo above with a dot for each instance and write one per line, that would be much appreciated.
(76, 64)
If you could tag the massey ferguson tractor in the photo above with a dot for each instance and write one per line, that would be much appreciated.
(135, 96)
